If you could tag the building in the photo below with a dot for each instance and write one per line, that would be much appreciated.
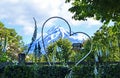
(77, 46)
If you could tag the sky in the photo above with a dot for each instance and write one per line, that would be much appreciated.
(18, 14)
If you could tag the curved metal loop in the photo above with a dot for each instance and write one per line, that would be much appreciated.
(71, 71)
(43, 29)
(47, 21)
(90, 46)
(82, 33)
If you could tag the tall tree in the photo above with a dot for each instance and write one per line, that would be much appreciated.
(107, 43)
(61, 51)
(10, 41)
(107, 39)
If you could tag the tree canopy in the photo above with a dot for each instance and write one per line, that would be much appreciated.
(10, 41)
(104, 10)
(61, 51)
(107, 42)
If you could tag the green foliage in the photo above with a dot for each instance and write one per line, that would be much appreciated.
(18, 72)
(83, 71)
(4, 57)
(107, 39)
(110, 71)
(86, 46)
(106, 43)
(35, 71)
(61, 50)
(10, 42)
(31, 58)
(52, 72)
(104, 10)
(104, 71)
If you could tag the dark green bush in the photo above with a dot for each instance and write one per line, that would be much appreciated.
(1, 70)
(111, 71)
(81, 71)
(35, 71)
(104, 71)
(18, 72)
(52, 72)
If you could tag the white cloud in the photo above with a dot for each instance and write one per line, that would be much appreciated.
(21, 12)
(28, 30)
(92, 22)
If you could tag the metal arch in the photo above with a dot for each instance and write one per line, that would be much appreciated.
(90, 47)
(82, 33)
(71, 70)
(69, 34)
(47, 21)
(43, 29)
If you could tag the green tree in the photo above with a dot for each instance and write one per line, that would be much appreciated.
(107, 39)
(107, 43)
(61, 51)
(10, 41)
(86, 48)
(104, 10)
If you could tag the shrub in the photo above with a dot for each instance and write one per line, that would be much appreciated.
(35, 72)
(104, 71)
(52, 72)
(81, 71)
(18, 72)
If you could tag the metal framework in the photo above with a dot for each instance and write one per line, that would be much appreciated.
(69, 34)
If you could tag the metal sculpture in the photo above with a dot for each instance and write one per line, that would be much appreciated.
(69, 76)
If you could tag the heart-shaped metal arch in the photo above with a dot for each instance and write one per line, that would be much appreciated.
(70, 35)
(90, 46)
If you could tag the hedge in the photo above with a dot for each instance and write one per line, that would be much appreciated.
(18, 72)
(81, 71)
(104, 71)
(35, 71)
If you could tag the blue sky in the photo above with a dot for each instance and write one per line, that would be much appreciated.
(18, 14)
